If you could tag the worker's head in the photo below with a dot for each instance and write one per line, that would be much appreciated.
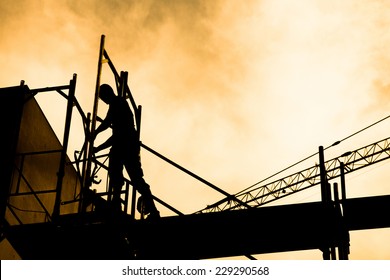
(106, 93)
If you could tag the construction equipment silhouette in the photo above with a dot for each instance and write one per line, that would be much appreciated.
(72, 221)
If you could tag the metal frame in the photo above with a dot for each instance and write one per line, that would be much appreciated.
(86, 154)
(319, 174)
(307, 178)
(123, 90)
(71, 101)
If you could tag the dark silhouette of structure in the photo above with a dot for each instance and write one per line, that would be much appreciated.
(50, 211)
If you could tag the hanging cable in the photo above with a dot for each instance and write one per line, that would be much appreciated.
(334, 144)
(357, 132)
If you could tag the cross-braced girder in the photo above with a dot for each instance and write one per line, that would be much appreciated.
(310, 177)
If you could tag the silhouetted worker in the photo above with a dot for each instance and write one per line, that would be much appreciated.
(125, 150)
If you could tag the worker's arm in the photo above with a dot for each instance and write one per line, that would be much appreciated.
(105, 145)
(105, 124)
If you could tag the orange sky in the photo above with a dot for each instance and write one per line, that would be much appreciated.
(232, 90)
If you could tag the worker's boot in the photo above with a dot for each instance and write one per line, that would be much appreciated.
(145, 205)
(155, 215)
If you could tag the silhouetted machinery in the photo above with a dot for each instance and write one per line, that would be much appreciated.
(49, 211)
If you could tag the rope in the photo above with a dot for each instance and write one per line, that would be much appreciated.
(334, 144)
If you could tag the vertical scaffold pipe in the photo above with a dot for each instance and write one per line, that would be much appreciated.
(123, 84)
(87, 178)
(61, 169)
(326, 253)
(324, 182)
(342, 178)
(345, 244)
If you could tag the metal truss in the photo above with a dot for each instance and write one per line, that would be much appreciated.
(310, 177)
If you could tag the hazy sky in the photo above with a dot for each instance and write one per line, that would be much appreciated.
(232, 90)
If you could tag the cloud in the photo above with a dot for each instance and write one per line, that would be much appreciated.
(233, 90)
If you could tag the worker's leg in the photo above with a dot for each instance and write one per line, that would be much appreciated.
(115, 173)
(134, 169)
